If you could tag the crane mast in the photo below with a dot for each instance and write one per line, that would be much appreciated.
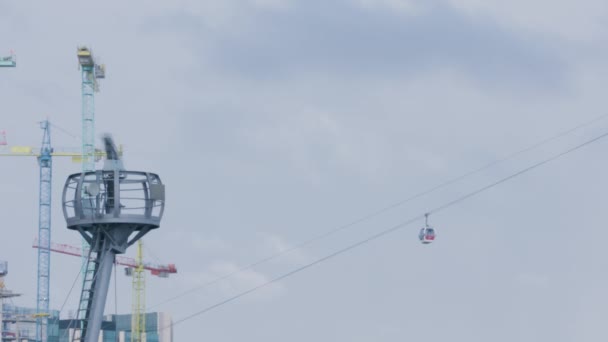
(138, 314)
(45, 162)
(90, 73)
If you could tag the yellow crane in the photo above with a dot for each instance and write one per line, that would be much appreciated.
(138, 314)
(138, 308)
(30, 151)
(134, 267)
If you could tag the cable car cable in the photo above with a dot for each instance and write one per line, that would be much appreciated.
(297, 270)
(386, 232)
(382, 211)
(529, 168)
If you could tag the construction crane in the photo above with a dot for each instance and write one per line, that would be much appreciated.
(158, 270)
(4, 293)
(17, 320)
(134, 268)
(44, 155)
(138, 306)
(91, 72)
(8, 61)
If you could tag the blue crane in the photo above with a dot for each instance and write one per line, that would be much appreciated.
(44, 154)
(45, 162)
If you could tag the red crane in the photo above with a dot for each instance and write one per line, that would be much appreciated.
(159, 270)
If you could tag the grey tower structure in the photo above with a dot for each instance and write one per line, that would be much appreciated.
(111, 208)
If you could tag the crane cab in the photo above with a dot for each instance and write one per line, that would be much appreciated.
(85, 57)
(427, 233)
(8, 61)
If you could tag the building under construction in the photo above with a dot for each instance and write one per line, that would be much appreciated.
(19, 324)
(118, 328)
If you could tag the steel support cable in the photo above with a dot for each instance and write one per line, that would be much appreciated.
(385, 232)
(70, 292)
(65, 333)
(115, 303)
(68, 296)
(65, 131)
(383, 210)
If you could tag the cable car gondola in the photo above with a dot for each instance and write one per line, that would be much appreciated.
(427, 233)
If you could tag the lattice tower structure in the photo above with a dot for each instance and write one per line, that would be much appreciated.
(138, 314)
(45, 161)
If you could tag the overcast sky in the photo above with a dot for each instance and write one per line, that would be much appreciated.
(274, 121)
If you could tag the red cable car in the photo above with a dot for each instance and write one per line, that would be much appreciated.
(427, 233)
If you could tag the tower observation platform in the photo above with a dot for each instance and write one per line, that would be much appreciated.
(111, 208)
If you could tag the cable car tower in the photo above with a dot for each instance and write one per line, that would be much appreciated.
(112, 209)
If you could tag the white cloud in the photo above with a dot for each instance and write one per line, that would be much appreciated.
(244, 281)
(199, 242)
(209, 245)
(405, 6)
(576, 20)
(271, 4)
(218, 15)
(221, 280)
(277, 244)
